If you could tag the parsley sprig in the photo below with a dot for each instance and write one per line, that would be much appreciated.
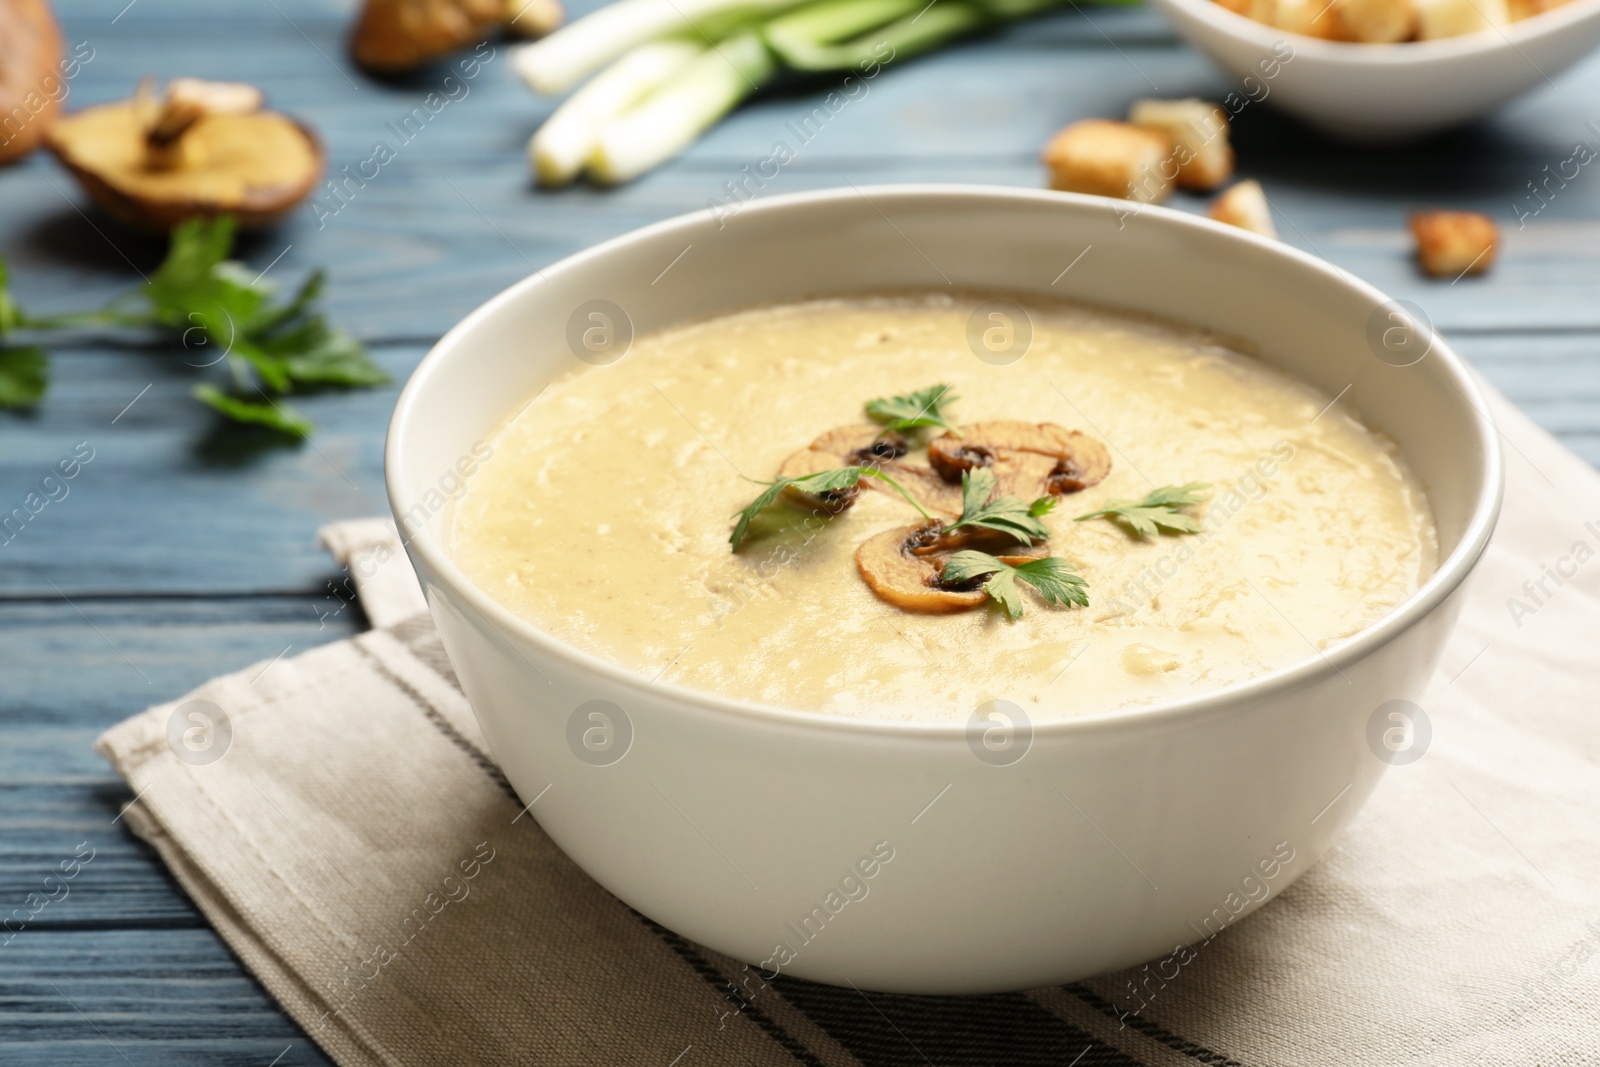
(1157, 511)
(818, 482)
(1003, 514)
(911, 411)
(1052, 578)
(221, 314)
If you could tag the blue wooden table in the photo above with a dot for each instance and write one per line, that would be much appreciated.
(182, 552)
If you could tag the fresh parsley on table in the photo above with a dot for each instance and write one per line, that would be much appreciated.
(213, 306)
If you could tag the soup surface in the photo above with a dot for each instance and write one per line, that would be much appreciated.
(604, 512)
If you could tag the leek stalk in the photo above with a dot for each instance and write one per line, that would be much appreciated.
(558, 62)
(670, 119)
(568, 137)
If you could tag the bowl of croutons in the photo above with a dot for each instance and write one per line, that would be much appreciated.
(1380, 70)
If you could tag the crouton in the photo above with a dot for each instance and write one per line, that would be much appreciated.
(1379, 21)
(1453, 243)
(1309, 18)
(1111, 159)
(1244, 205)
(1526, 9)
(1452, 18)
(1199, 133)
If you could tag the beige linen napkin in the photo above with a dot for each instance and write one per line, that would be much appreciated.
(339, 820)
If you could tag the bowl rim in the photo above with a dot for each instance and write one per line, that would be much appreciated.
(1447, 577)
(1403, 54)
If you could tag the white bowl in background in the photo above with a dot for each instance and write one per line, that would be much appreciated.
(1383, 92)
(1116, 836)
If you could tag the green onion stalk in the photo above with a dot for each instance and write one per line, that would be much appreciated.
(670, 69)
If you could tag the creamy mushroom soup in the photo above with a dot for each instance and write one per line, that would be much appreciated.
(1220, 519)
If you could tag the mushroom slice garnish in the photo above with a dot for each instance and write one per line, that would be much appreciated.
(1028, 459)
(924, 483)
(849, 446)
(861, 446)
(869, 446)
(894, 570)
(805, 462)
(931, 539)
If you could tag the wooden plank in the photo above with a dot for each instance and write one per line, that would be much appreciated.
(139, 997)
(172, 500)
(79, 667)
(119, 883)
(68, 676)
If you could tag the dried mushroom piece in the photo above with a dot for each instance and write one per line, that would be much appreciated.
(188, 100)
(534, 18)
(30, 52)
(202, 149)
(1028, 459)
(392, 36)
(903, 566)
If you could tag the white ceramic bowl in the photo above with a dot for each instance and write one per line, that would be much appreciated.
(1115, 837)
(1366, 92)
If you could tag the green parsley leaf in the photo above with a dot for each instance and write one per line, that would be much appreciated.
(1052, 578)
(221, 309)
(1005, 514)
(265, 412)
(24, 373)
(1157, 512)
(196, 287)
(310, 289)
(332, 357)
(1055, 580)
(911, 411)
(10, 315)
(818, 482)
